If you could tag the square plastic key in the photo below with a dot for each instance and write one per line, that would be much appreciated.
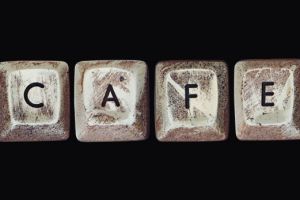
(111, 100)
(191, 101)
(267, 100)
(34, 100)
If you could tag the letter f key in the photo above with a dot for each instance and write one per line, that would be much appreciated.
(191, 101)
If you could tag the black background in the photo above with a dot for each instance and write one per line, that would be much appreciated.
(151, 33)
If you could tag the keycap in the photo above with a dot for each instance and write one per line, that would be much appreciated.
(191, 101)
(267, 103)
(34, 100)
(111, 100)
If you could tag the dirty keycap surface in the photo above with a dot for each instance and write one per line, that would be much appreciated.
(191, 101)
(111, 100)
(267, 99)
(35, 101)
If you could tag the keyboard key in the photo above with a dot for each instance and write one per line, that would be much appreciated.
(34, 100)
(191, 101)
(267, 100)
(111, 100)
